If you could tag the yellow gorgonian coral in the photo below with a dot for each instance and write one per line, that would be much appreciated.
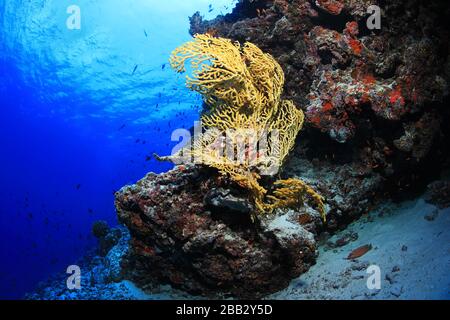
(223, 71)
(248, 130)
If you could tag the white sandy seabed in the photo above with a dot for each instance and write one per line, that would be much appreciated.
(410, 245)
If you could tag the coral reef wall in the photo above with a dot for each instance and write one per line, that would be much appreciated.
(377, 119)
(376, 101)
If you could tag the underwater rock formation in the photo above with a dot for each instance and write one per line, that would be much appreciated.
(101, 278)
(376, 126)
(107, 237)
(345, 76)
(375, 100)
(193, 230)
(438, 193)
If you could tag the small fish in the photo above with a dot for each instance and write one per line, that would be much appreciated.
(148, 158)
(145, 32)
(78, 186)
(134, 70)
(359, 252)
(163, 66)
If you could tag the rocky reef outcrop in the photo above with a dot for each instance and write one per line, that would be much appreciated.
(376, 101)
(377, 124)
(438, 193)
(107, 237)
(192, 229)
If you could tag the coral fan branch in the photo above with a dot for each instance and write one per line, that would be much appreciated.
(242, 87)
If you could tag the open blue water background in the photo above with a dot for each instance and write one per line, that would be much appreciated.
(81, 110)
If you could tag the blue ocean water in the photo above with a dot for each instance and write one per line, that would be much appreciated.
(82, 111)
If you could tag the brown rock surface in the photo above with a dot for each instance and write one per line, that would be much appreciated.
(185, 233)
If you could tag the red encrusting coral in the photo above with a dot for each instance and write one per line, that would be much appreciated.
(356, 46)
(331, 6)
(396, 96)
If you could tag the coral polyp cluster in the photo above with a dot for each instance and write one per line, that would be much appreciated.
(248, 129)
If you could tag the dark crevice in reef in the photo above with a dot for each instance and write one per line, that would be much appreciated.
(326, 56)
(364, 31)
(330, 21)
(377, 127)
(412, 180)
